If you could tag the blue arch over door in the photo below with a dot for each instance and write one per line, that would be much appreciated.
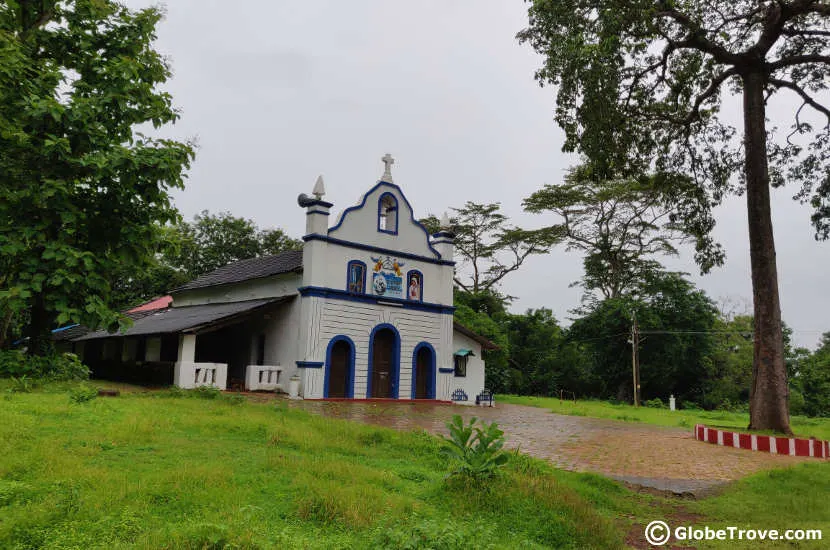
(432, 364)
(395, 369)
(350, 377)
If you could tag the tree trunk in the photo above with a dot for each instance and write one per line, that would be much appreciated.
(39, 330)
(769, 393)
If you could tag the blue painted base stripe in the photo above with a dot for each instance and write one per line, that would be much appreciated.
(338, 294)
(309, 364)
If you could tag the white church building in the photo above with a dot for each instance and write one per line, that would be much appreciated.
(363, 311)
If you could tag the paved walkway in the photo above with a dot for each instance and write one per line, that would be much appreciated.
(666, 459)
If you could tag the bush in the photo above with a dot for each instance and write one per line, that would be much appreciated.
(655, 403)
(83, 395)
(57, 367)
(477, 451)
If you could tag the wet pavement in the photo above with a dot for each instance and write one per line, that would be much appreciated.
(655, 457)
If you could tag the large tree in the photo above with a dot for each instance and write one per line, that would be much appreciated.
(640, 84)
(622, 225)
(489, 246)
(83, 191)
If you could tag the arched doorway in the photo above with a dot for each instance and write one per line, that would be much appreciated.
(384, 362)
(339, 380)
(423, 372)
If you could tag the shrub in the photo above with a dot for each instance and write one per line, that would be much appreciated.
(83, 395)
(58, 367)
(477, 451)
(655, 403)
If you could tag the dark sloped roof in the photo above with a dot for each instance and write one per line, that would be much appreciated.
(68, 333)
(244, 270)
(485, 343)
(186, 319)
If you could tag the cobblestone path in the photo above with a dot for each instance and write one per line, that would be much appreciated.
(666, 459)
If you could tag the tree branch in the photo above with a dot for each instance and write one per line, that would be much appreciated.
(807, 99)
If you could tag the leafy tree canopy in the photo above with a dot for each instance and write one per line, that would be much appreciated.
(83, 192)
(621, 225)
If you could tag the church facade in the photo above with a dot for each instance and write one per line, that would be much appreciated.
(364, 311)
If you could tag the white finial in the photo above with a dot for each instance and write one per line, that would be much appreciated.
(319, 189)
(445, 221)
(388, 161)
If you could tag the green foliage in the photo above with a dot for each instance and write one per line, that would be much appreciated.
(83, 395)
(672, 357)
(190, 249)
(812, 381)
(655, 403)
(476, 451)
(57, 367)
(83, 192)
(434, 535)
(620, 225)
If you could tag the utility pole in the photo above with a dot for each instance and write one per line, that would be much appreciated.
(635, 357)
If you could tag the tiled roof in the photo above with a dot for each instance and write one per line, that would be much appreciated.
(245, 270)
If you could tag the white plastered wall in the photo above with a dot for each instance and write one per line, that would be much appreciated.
(473, 383)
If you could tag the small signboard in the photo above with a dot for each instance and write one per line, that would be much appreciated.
(387, 278)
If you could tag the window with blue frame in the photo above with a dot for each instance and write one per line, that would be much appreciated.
(415, 286)
(356, 277)
(388, 214)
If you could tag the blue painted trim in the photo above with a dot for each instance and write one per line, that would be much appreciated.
(421, 276)
(337, 294)
(308, 213)
(411, 212)
(396, 359)
(350, 377)
(309, 364)
(393, 209)
(349, 275)
(370, 248)
(431, 383)
(446, 370)
(444, 235)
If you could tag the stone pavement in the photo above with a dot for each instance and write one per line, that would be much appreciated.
(656, 457)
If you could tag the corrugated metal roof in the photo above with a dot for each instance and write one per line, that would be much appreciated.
(154, 304)
(186, 319)
(244, 270)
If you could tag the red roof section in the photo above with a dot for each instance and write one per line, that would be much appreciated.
(157, 303)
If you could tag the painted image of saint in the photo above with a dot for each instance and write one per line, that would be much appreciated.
(414, 287)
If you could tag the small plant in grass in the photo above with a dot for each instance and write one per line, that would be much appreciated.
(476, 450)
(22, 384)
(206, 392)
(83, 395)
(655, 403)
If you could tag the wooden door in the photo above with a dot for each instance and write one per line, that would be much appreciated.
(423, 374)
(339, 369)
(382, 363)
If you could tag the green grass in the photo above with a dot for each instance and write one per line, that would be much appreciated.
(792, 498)
(801, 426)
(169, 470)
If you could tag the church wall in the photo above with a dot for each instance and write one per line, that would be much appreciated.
(254, 289)
(473, 383)
(356, 320)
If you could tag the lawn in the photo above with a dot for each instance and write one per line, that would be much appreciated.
(801, 425)
(173, 469)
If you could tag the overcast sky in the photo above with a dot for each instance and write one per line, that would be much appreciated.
(276, 93)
